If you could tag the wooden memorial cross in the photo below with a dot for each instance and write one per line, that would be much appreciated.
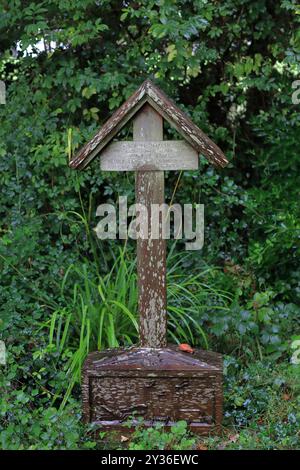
(158, 382)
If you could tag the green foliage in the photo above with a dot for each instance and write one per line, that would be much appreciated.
(42, 429)
(156, 438)
(100, 312)
(262, 407)
(27, 421)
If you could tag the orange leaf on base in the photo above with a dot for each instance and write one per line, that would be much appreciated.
(186, 348)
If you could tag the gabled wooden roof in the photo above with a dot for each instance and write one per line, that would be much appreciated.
(149, 93)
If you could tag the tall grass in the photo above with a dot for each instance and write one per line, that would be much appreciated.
(101, 311)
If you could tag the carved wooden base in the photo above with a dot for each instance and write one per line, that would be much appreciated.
(161, 385)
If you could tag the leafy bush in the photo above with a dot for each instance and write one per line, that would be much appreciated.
(65, 73)
(155, 438)
(27, 420)
(263, 408)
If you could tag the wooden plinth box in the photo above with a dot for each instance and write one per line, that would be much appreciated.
(161, 385)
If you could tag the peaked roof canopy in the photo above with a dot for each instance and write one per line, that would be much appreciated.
(149, 93)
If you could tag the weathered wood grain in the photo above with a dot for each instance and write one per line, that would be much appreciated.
(162, 385)
(151, 254)
(159, 383)
(149, 156)
(149, 93)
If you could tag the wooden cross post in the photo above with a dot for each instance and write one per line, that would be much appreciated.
(151, 254)
(154, 380)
